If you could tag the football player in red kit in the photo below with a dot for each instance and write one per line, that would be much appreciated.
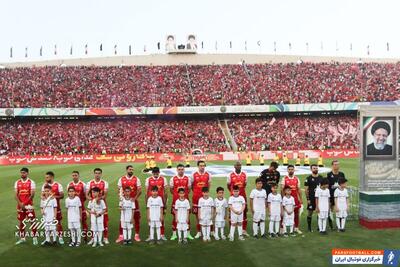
(294, 183)
(24, 193)
(200, 179)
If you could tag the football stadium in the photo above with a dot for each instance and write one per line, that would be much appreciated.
(184, 156)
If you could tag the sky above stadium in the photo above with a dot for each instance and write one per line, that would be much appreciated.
(312, 27)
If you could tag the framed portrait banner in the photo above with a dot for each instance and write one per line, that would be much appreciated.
(379, 138)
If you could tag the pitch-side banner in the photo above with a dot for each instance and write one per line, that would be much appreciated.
(162, 157)
(224, 109)
(190, 110)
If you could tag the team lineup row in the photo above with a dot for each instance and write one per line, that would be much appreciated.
(324, 195)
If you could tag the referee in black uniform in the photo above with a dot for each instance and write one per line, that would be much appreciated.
(269, 176)
(333, 177)
(310, 185)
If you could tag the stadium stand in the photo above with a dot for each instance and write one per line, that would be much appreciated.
(107, 136)
(198, 85)
(130, 135)
(291, 133)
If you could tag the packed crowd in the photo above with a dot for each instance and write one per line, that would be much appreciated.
(255, 134)
(108, 137)
(114, 136)
(183, 85)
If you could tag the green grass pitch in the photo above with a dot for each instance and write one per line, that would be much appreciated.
(308, 250)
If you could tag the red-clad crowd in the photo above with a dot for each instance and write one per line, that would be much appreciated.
(340, 132)
(108, 136)
(188, 85)
(325, 82)
(45, 137)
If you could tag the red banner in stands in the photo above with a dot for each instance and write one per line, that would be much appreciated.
(162, 157)
(112, 158)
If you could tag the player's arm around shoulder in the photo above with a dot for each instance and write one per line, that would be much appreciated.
(105, 193)
(251, 205)
(316, 202)
(139, 191)
(61, 190)
(161, 209)
(228, 182)
(187, 214)
(213, 213)
(269, 206)
(199, 208)
(335, 195)
(80, 210)
(54, 209)
(171, 186)
(103, 207)
(20, 204)
(307, 192)
(42, 208)
(347, 201)
(33, 189)
(87, 191)
(133, 212)
(148, 210)
(166, 189)
(230, 208)
(243, 205)
(226, 207)
(162, 213)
